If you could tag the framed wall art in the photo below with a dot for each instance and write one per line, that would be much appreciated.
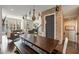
(69, 28)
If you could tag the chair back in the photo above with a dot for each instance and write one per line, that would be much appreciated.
(65, 45)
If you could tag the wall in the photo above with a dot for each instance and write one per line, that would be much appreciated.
(0, 26)
(27, 25)
(59, 25)
(78, 30)
(59, 22)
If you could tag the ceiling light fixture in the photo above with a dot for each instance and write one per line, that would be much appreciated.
(33, 17)
(12, 9)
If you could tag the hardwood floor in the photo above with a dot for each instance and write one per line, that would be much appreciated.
(72, 48)
(11, 47)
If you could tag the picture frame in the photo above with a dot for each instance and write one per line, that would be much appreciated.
(69, 28)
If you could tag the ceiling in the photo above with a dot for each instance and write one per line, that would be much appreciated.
(21, 10)
(70, 10)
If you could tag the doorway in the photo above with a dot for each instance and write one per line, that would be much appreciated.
(50, 26)
(70, 29)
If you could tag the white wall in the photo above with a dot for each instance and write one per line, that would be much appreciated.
(10, 23)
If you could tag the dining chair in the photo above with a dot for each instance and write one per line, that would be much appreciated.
(61, 49)
(65, 45)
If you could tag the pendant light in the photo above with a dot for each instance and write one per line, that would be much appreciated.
(33, 17)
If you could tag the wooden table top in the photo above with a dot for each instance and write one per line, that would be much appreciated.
(23, 48)
(44, 43)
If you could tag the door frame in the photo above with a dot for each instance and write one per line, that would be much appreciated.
(76, 31)
(54, 24)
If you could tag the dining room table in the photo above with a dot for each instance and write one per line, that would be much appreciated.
(43, 43)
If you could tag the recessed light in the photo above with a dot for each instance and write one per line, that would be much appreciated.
(12, 9)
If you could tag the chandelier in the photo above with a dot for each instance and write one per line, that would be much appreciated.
(33, 17)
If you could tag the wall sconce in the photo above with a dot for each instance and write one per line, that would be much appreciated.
(57, 8)
(24, 17)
